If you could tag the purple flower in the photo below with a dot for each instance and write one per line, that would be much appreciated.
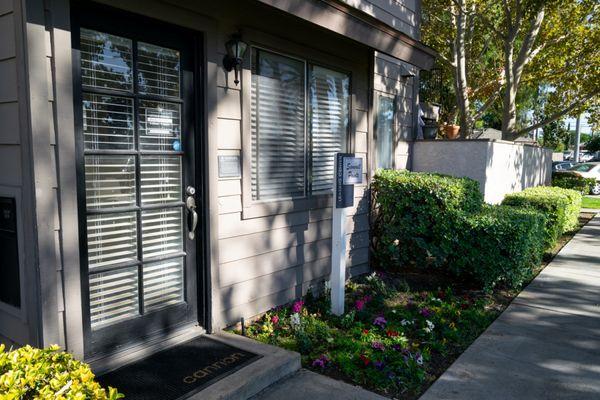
(297, 307)
(391, 376)
(397, 347)
(378, 346)
(321, 362)
(426, 312)
(379, 365)
(380, 322)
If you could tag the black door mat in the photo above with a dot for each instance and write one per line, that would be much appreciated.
(178, 372)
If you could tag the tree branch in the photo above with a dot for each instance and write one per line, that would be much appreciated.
(541, 47)
(487, 104)
(528, 42)
(558, 114)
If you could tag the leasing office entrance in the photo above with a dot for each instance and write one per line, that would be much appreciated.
(136, 102)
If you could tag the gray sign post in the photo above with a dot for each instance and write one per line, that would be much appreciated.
(348, 172)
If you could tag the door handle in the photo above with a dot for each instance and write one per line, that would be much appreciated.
(190, 205)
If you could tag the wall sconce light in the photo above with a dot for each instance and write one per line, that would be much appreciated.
(405, 72)
(236, 49)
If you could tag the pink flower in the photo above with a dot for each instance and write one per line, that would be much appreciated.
(359, 305)
(297, 307)
(378, 346)
(275, 319)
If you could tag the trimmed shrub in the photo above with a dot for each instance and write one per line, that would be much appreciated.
(499, 244)
(30, 373)
(573, 181)
(416, 215)
(560, 206)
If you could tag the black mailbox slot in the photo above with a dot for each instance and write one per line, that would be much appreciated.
(10, 280)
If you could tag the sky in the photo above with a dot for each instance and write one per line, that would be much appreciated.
(585, 126)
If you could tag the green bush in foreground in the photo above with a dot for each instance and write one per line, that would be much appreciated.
(500, 244)
(416, 215)
(572, 181)
(561, 207)
(30, 373)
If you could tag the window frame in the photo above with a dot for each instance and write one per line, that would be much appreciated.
(255, 208)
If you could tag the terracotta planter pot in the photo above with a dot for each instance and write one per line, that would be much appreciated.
(451, 131)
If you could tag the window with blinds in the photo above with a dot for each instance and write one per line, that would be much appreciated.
(133, 176)
(384, 133)
(299, 120)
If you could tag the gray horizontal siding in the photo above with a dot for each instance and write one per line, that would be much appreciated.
(402, 15)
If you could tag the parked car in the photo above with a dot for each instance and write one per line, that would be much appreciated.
(586, 157)
(589, 170)
(562, 165)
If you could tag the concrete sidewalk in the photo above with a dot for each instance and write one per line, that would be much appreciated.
(307, 385)
(546, 345)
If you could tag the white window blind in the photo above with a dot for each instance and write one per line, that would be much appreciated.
(329, 100)
(296, 127)
(278, 127)
(385, 132)
(128, 237)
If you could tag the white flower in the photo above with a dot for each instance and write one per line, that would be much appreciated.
(429, 327)
(405, 322)
(295, 320)
(327, 285)
(419, 359)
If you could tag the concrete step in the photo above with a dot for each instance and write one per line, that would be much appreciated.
(275, 364)
(305, 385)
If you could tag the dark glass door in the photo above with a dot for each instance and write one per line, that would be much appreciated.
(137, 181)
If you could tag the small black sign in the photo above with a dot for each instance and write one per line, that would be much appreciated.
(229, 167)
(10, 281)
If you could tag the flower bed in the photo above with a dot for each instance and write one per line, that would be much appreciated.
(391, 340)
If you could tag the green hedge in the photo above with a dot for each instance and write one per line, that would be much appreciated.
(573, 181)
(499, 244)
(416, 215)
(435, 220)
(30, 373)
(561, 207)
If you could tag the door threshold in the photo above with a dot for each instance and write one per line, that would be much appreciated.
(107, 362)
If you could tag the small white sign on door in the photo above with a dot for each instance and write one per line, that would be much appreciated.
(159, 123)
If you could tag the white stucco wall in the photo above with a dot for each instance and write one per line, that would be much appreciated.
(500, 167)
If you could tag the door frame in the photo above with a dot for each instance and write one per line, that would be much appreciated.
(120, 22)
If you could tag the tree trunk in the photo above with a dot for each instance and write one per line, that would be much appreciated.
(509, 113)
(460, 60)
(514, 69)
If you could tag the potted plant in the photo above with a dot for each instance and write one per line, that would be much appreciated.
(451, 129)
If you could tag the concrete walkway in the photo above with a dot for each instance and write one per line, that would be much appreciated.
(546, 345)
(307, 385)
